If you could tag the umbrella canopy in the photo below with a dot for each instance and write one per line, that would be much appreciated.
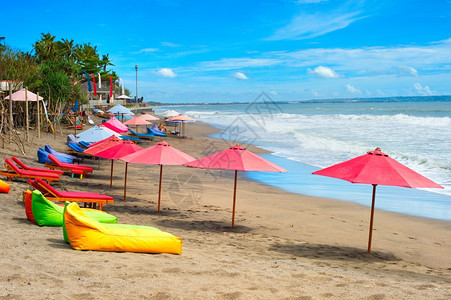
(114, 128)
(181, 118)
(375, 168)
(160, 154)
(148, 117)
(118, 151)
(95, 134)
(103, 144)
(116, 123)
(137, 121)
(235, 158)
(119, 109)
(20, 96)
(123, 97)
(170, 113)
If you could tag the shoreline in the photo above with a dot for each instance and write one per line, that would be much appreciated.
(284, 245)
(342, 185)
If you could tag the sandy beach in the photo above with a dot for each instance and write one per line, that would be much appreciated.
(283, 245)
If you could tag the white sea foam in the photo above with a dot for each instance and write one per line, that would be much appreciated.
(322, 135)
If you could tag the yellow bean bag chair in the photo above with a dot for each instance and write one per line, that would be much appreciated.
(85, 233)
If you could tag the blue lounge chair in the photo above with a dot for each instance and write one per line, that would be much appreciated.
(84, 144)
(43, 157)
(141, 135)
(155, 131)
(59, 154)
(130, 138)
(75, 148)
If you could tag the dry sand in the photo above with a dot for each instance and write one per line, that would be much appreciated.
(283, 246)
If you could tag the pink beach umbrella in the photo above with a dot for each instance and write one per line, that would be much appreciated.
(118, 151)
(148, 117)
(181, 118)
(22, 95)
(375, 168)
(235, 158)
(160, 154)
(137, 121)
(116, 124)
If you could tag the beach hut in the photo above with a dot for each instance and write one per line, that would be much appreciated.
(24, 95)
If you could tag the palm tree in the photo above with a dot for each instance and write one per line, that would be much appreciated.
(105, 62)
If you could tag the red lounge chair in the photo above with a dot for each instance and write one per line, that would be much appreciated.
(57, 164)
(28, 168)
(90, 199)
(13, 171)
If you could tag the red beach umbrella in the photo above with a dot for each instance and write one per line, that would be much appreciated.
(103, 144)
(375, 168)
(160, 154)
(116, 152)
(235, 158)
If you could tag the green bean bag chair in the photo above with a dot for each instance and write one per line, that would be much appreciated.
(47, 213)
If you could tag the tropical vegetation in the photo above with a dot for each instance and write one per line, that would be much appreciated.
(54, 68)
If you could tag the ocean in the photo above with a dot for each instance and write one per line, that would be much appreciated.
(306, 136)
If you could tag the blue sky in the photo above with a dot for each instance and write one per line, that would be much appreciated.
(222, 51)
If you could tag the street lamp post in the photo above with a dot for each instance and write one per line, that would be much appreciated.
(136, 68)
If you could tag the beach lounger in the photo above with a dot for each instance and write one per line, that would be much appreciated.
(59, 154)
(130, 138)
(85, 144)
(23, 166)
(43, 157)
(89, 199)
(14, 171)
(57, 164)
(71, 139)
(155, 131)
(141, 135)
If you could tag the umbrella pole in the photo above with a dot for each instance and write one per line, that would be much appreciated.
(125, 181)
(111, 176)
(234, 199)
(371, 219)
(159, 187)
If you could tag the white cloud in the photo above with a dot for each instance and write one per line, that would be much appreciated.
(423, 90)
(238, 63)
(149, 50)
(353, 89)
(309, 1)
(169, 44)
(307, 26)
(240, 76)
(166, 72)
(408, 70)
(324, 72)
